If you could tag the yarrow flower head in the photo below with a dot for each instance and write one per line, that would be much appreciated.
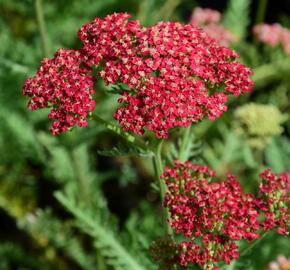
(62, 83)
(168, 75)
(172, 71)
(210, 214)
(210, 21)
(273, 200)
(213, 214)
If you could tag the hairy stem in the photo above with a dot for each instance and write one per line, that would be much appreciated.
(41, 27)
(158, 172)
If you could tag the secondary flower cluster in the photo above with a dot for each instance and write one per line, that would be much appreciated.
(273, 35)
(175, 74)
(273, 201)
(64, 84)
(212, 215)
(209, 20)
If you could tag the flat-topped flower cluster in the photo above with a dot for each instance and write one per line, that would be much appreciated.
(176, 74)
(213, 214)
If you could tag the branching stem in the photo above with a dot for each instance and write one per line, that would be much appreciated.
(158, 172)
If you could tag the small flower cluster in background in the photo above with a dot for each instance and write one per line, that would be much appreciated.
(259, 123)
(273, 199)
(175, 75)
(282, 263)
(273, 35)
(210, 21)
(212, 214)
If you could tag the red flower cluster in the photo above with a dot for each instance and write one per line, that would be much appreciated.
(63, 84)
(209, 20)
(273, 35)
(212, 215)
(273, 201)
(173, 72)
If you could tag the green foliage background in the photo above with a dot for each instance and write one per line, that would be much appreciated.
(76, 202)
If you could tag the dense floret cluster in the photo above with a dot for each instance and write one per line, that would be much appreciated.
(273, 35)
(273, 201)
(210, 21)
(175, 74)
(212, 215)
(64, 84)
(172, 70)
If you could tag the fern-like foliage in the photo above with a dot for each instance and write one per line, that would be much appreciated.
(105, 240)
(16, 128)
(228, 154)
(58, 235)
(125, 150)
(236, 17)
(186, 148)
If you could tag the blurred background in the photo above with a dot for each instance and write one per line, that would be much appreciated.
(64, 199)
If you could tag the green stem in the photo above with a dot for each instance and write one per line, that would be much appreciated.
(81, 177)
(128, 137)
(183, 151)
(101, 262)
(261, 11)
(159, 167)
(158, 171)
(247, 249)
(42, 28)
